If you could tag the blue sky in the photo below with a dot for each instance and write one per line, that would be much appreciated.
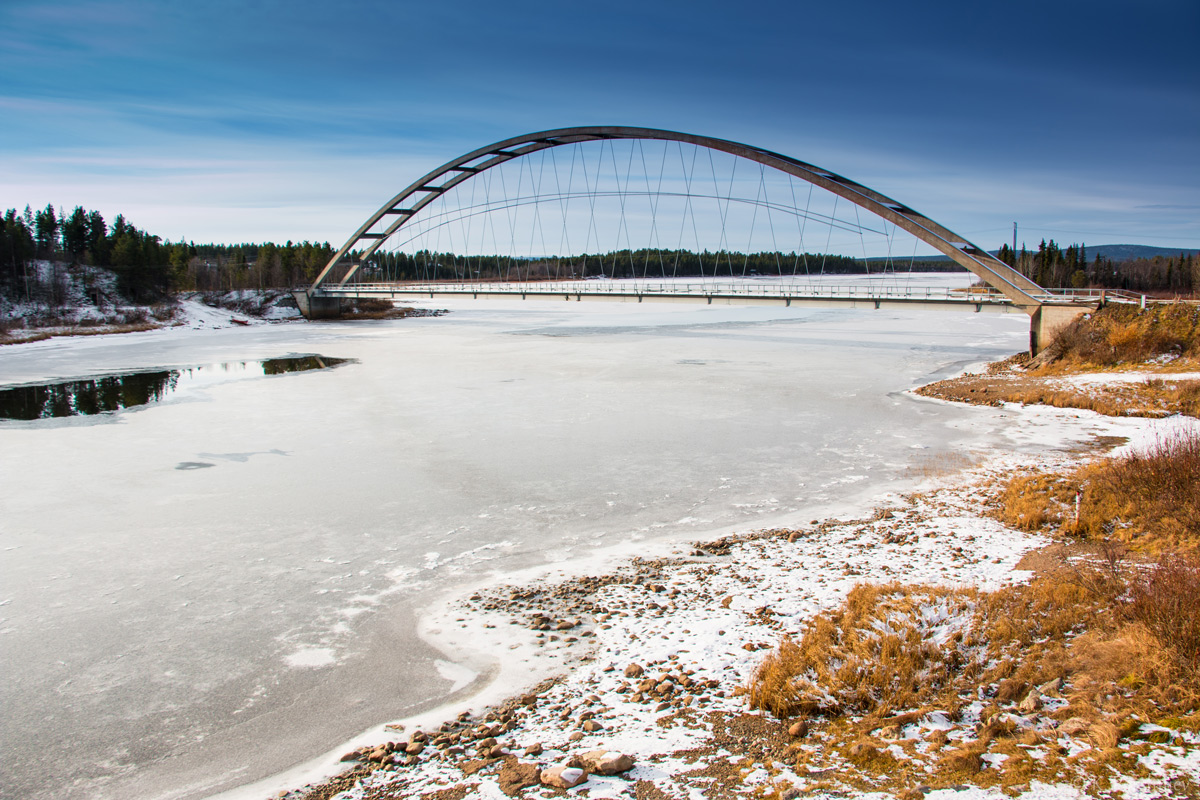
(259, 120)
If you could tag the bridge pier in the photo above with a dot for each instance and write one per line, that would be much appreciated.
(315, 306)
(1046, 320)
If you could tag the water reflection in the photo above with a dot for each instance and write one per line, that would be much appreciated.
(90, 396)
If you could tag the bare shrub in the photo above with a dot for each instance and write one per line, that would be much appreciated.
(1148, 499)
(1154, 494)
(1167, 601)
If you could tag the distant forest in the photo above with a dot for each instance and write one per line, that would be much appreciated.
(149, 269)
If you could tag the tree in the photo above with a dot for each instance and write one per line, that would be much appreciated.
(75, 234)
(46, 232)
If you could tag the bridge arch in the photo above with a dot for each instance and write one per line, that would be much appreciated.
(406, 205)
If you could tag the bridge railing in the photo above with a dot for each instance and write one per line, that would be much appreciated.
(683, 288)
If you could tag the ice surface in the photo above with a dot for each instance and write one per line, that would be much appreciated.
(175, 632)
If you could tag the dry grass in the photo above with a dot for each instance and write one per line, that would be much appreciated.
(1148, 499)
(1155, 397)
(1107, 647)
(1123, 334)
(27, 336)
(1163, 337)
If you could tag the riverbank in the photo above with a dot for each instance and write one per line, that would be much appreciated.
(653, 659)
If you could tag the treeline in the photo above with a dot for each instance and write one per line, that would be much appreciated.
(646, 263)
(1057, 268)
(147, 268)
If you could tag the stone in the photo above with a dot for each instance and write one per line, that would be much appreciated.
(860, 751)
(563, 777)
(1074, 726)
(496, 752)
(634, 671)
(575, 737)
(603, 762)
(591, 726)
(534, 749)
(1031, 703)
(414, 748)
(514, 777)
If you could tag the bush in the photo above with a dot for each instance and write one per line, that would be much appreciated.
(1149, 499)
(1167, 601)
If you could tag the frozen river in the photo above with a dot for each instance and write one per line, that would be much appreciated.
(205, 591)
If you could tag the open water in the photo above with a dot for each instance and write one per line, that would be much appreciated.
(216, 585)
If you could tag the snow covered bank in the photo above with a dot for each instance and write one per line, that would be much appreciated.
(650, 657)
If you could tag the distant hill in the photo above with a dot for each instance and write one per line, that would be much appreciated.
(1123, 252)
(1116, 252)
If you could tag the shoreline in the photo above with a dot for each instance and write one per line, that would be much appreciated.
(503, 676)
(470, 625)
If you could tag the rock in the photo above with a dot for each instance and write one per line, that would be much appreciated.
(634, 671)
(603, 762)
(1031, 703)
(534, 749)
(726, 601)
(514, 777)
(563, 777)
(414, 748)
(353, 755)
(890, 732)
(662, 706)
(591, 726)
(575, 737)
(798, 729)
(495, 752)
(1074, 726)
(487, 744)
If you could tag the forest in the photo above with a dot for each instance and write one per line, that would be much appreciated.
(149, 269)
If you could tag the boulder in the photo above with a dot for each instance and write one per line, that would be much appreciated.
(1031, 703)
(1074, 726)
(603, 762)
(563, 777)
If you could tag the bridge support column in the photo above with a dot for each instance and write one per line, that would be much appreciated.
(1047, 319)
(318, 306)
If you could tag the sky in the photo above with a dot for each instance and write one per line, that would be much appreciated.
(274, 120)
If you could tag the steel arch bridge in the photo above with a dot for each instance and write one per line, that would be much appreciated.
(1048, 310)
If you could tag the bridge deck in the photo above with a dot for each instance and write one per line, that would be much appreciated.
(710, 291)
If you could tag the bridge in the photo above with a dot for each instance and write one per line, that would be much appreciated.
(614, 167)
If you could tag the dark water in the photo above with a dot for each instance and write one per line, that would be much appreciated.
(89, 396)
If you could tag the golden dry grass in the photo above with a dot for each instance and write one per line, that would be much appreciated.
(893, 654)
(1148, 499)
(1122, 334)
